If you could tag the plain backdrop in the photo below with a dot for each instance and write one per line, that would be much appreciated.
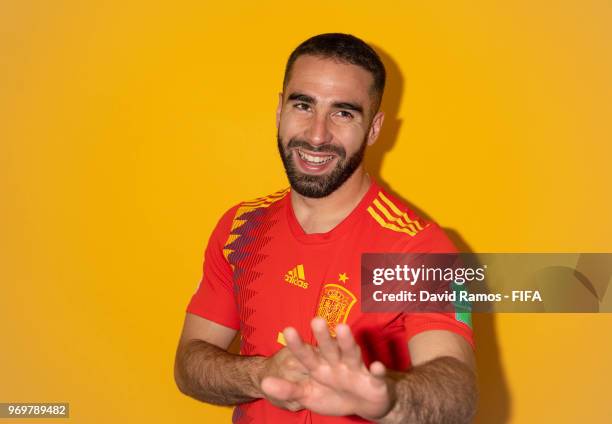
(127, 128)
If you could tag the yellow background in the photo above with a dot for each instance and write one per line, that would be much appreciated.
(127, 128)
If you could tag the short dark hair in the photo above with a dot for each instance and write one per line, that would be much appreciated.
(344, 48)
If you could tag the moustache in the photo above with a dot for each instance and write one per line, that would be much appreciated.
(296, 143)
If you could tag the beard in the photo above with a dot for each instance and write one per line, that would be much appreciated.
(317, 186)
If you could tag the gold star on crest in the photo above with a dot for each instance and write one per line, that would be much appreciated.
(342, 277)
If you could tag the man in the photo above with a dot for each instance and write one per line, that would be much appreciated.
(284, 269)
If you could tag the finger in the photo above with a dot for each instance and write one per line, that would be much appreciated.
(302, 351)
(328, 347)
(350, 353)
(378, 370)
(281, 389)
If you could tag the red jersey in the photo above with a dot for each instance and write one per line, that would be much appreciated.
(263, 273)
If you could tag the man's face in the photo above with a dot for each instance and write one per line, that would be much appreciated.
(325, 120)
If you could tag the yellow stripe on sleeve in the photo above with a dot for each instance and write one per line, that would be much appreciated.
(388, 225)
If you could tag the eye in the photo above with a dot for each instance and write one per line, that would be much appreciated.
(302, 106)
(345, 114)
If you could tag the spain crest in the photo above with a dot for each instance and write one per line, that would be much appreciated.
(335, 305)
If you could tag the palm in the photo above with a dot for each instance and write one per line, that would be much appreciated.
(339, 383)
(343, 392)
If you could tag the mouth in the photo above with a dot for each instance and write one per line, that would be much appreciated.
(314, 163)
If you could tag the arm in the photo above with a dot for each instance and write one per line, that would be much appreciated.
(204, 370)
(439, 388)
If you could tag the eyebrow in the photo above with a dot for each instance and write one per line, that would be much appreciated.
(338, 105)
(302, 98)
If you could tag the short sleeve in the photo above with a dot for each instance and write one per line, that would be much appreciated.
(458, 323)
(434, 240)
(214, 298)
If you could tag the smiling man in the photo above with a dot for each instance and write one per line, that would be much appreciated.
(284, 270)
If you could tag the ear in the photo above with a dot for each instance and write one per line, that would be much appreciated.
(278, 109)
(375, 127)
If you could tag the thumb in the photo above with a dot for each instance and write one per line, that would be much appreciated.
(377, 369)
(281, 389)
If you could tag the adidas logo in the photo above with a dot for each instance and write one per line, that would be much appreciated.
(296, 277)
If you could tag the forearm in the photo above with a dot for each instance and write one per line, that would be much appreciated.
(443, 390)
(210, 374)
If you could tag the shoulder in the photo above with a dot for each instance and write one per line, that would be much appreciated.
(238, 213)
(398, 221)
(263, 201)
(394, 215)
(231, 224)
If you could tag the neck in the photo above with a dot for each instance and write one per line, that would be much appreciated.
(323, 214)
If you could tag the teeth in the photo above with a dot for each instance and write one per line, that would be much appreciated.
(317, 160)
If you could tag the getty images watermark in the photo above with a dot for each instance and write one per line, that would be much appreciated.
(486, 282)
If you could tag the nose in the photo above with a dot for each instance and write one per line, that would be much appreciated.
(318, 131)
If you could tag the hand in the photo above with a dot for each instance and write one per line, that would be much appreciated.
(283, 365)
(338, 381)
